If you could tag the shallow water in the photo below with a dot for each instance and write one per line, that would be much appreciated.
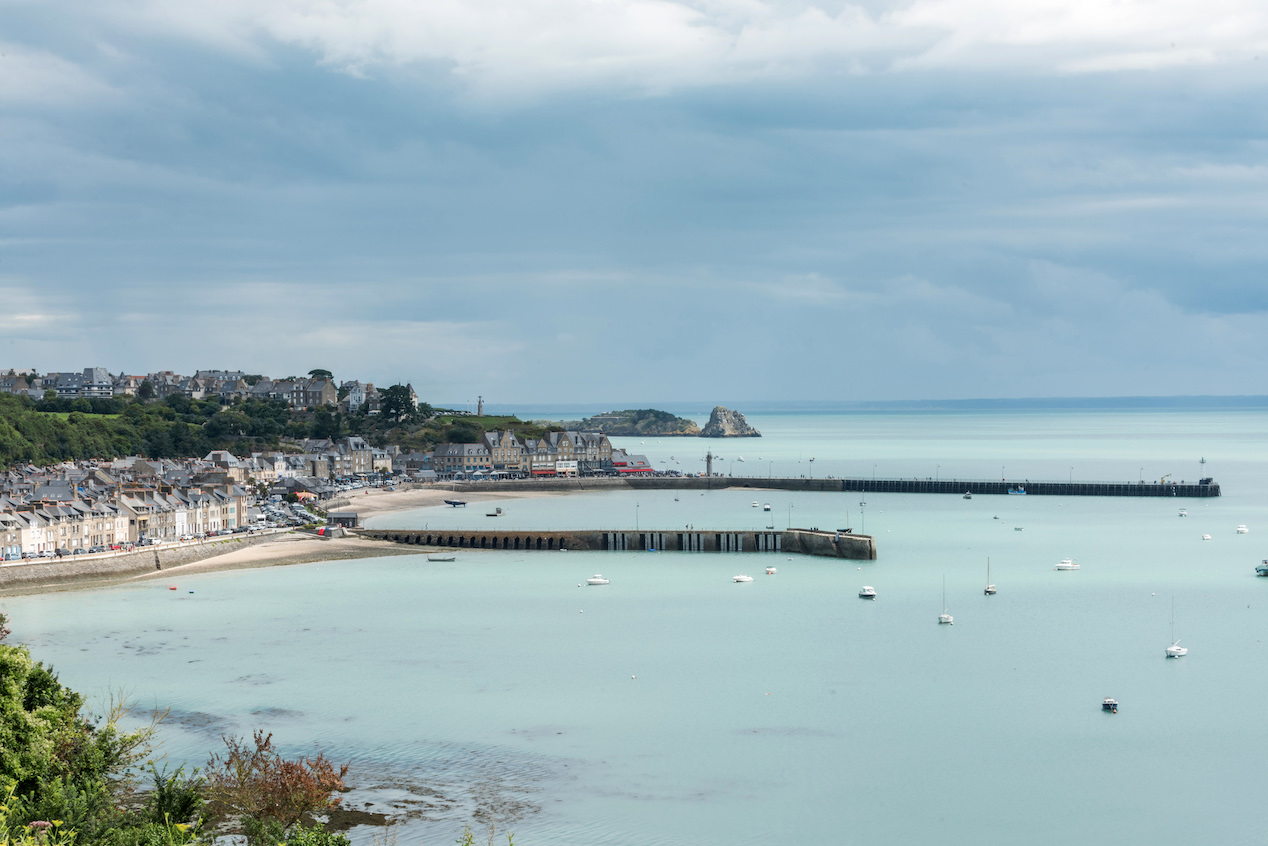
(786, 710)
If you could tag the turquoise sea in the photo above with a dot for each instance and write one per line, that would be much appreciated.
(674, 706)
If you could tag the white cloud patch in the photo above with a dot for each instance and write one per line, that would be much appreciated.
(507, 46)
(36, 77)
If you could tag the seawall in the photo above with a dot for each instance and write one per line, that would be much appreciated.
(20, 576)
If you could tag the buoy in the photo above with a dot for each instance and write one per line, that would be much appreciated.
(633, 677)
(171, 587)
(581, 612)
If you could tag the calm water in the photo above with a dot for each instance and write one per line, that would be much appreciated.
(786, 710)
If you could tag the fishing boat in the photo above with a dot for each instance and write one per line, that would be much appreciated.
(1262, 569)
(1067, 564)
(1206, 537)
(755, 503)
(990, 588)
(1241, 530)
(456, 502)
(1109, 704)
(596, 579)
(944, 618)
(1017, 490)
(968, 494)
(868, 592)
(1184, 512)
(766, 507)
(439, 557)
(770, 571)
(741, 578)
(1175, 650)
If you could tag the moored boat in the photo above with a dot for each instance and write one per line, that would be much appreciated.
(1241, 530)
(741, 578)
(442, 557)
(968, 494)
(596, 579)
(1109, 704)
(770, 571)
(1067, 564)
(1262, 569)
(868, 592)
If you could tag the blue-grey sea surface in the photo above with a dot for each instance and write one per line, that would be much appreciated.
(674, 706)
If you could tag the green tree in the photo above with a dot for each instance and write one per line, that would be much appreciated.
(146, 390)
(321, 374)
(395, 403)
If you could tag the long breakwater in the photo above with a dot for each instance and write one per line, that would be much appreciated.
(976, 487)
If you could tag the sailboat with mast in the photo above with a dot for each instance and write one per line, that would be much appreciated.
(990, 588)
(944, 618)
(1175, 650)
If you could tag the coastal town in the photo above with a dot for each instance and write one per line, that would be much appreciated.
(91, 506)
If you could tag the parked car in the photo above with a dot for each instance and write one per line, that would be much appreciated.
(61, 553)
(95, 549)
(79, 550)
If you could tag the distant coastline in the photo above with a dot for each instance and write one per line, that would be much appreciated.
(700, 410)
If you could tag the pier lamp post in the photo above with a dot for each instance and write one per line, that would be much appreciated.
(770, 470)
(636, 516)
(1072, 475)
(1142, 474)
(812, 467)
(790, 515)
(937, 472)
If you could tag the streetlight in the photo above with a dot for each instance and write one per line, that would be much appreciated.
(790, 515)
(636, 516)
(937, 473)
(812, 467)
(1142, 474)
(770, 470)
(1072, 475)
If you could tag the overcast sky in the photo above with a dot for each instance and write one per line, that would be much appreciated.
(624, 201)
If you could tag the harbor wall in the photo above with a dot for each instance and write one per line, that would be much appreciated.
(800, 541)
(929, 486)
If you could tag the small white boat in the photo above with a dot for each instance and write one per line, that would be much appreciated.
(968, 494)
(770, 571)
(1241, 530)
(1109, 704)
(1016, 528)
(766, 507)
(596, 579)
(1184, 512)
(990, 588)
(868, 592)
(1067, 564)
(1175, 650)
(741, 578)
(497, 512)
(945, 619)
(1262, 569)
(755, 503)
(1206, 537)
(442, 558)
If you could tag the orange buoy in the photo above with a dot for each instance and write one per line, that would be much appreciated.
(171, 587)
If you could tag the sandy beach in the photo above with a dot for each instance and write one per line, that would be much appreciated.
(373, 502)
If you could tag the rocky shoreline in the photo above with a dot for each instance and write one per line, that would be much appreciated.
(725, 423)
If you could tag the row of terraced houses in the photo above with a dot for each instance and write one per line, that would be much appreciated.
(558, 454)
